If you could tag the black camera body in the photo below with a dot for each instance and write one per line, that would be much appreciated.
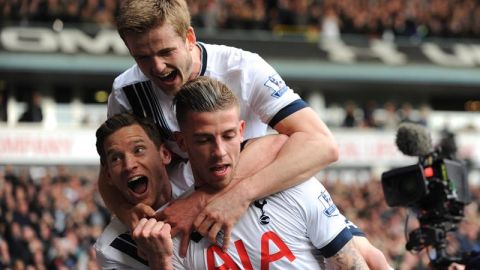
(436, 189)
(427, 185)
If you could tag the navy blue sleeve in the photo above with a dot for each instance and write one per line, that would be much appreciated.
(354, 229)
(288, 110)
(336, 244)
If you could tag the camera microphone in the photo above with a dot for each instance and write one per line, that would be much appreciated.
(413, 140)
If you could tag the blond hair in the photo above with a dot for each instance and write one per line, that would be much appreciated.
(140, 16)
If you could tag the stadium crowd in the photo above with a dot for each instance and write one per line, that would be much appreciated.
(412, 18)
(50, 217)
(50, 221)
(387, 116)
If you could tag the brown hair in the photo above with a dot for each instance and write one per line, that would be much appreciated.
(140, 16)
(203, 94)
(119, 121)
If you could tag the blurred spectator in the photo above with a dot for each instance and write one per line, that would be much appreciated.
(33, 113)
(3, 107)
(406, 113)
(330, 25)
(350, 119)
(368, 114)
(101, 12)
(5, 260)
(247, 14)
(388, 117)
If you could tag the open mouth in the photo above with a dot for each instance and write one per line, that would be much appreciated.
(169, 77)
(219, 170)
(138, 184)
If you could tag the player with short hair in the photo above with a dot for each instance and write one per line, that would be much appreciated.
(162, 42)
(167, 55)
(291, 220)
(116, 249)
(293, 229)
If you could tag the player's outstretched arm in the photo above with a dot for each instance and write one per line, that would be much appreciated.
(374, 257)
(347, 258)
(310, 148)
(128, 213)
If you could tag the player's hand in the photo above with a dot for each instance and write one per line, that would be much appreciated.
(154, 242)
(132, 216)
(221, 213)
(181, 213)
(456, 266)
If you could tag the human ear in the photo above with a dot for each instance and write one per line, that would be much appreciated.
(165, 154)
(180, 139)
(191, 38)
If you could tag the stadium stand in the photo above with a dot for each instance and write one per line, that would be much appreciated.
(364, 66)
(433, 18)
(49, 219)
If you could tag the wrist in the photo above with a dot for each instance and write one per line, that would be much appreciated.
(244, 188)
(161, 262)
(205, 195)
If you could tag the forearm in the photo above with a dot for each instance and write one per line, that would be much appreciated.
(347, 258)
(374, 258)
(160, 263)
(300, 158)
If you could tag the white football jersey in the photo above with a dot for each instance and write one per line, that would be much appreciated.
(293, 229)
(264, 97)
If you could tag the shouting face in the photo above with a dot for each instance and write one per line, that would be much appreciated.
(136, 166)
(164, 57)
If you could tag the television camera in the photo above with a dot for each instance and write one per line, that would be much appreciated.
(436, 189)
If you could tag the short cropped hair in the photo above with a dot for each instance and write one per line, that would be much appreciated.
(203, 94)
(140, 16)
(119, 121)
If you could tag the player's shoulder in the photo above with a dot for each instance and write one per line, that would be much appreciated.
(115, 248)
(311, 186)
(299, 195)
(229, 55)
(130, 76)
(110, 233)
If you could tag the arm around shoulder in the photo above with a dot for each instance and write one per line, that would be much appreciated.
(310, 148)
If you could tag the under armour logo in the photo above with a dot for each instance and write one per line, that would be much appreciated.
(264, 219)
